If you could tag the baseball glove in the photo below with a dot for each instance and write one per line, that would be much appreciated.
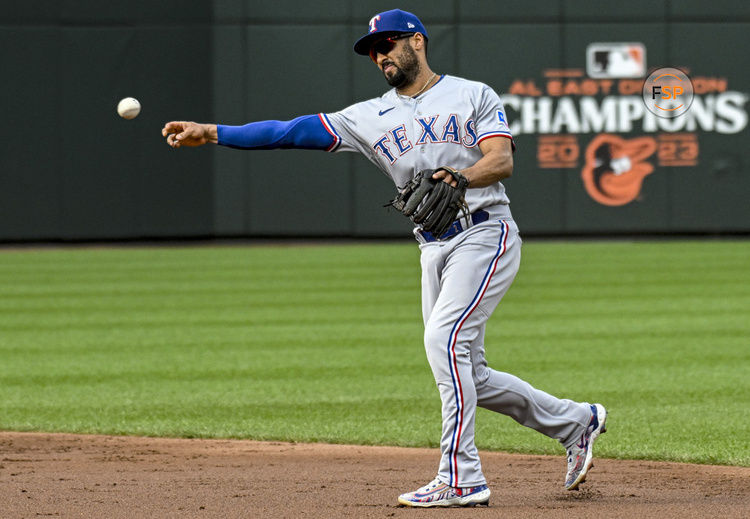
(431, 203)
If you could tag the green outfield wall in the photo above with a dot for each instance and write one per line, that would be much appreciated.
(568, 71)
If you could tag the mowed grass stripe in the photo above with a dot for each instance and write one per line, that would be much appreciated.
(323, 343)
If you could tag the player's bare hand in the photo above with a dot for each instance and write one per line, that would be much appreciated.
(189, 133)
(445, 177)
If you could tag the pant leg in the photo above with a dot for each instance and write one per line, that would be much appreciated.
(432, 260)
(478, 266)
(509, 395)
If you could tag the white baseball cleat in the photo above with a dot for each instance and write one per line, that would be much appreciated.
(437, 493)
(581, 454)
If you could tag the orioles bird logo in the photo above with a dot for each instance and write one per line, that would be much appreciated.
(614, 169)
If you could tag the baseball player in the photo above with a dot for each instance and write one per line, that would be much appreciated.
(456, 131)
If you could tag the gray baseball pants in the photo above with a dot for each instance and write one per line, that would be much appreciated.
(463, 280)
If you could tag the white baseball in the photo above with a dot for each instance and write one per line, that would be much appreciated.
(128, 108)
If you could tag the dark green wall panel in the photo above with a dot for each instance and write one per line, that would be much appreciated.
(430, 12)
(30, 12)
(713, 196)
(228, 11)
(283, 83)
(599, 11)
(30, 176)
(98, 191)
(298, 192)
(175, 187)
(372, 190)
(292, 12)
(515, 11)
(71, 169)
(229, 106)
(534, 193)
(713, 10)
(163, 12)
(118, 178)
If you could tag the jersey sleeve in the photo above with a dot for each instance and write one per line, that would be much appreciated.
(343, 125)
(491, 119)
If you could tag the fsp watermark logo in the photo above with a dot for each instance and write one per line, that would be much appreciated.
(668, 92)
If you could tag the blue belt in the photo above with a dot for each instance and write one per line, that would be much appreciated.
(456, 227)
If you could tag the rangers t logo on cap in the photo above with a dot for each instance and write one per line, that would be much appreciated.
(372, 22)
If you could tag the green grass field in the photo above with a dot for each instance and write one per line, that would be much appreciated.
(323, 343)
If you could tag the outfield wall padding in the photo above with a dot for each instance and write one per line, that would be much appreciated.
(71, 169)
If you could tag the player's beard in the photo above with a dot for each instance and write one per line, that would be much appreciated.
(407, 71)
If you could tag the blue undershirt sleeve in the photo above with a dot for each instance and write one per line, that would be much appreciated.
(307, 132)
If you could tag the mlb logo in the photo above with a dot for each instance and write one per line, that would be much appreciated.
(616, 60)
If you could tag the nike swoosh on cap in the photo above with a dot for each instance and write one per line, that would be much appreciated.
(386, 111)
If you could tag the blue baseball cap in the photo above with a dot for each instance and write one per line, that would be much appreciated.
(387, 24)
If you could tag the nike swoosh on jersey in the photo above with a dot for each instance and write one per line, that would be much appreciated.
(382, 112)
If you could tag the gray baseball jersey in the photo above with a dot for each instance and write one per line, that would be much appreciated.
(402, 135)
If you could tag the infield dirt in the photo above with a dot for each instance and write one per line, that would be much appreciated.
(62, 475)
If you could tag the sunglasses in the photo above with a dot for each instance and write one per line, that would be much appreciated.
(386, 45)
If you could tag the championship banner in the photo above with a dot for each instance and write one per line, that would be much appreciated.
(615, 120)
